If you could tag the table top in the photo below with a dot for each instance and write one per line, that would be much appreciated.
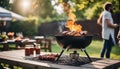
(23, 40)
(19, 57)
(15, 56)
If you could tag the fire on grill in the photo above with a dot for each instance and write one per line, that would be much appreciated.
(74, 33)
(73, 37)
(74, 29)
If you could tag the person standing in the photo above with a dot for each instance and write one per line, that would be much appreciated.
(106, 21)
(2, 26)
(118, 37)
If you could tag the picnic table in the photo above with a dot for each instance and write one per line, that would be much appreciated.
(43, 42)
(21, 43)
(18, 58)
(5, 45)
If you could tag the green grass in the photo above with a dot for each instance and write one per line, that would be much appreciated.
(93, 50)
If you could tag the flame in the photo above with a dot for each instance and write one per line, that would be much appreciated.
(72, 26)
(71, 23)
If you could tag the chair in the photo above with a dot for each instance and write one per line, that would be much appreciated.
(22, 44)
(44, 44)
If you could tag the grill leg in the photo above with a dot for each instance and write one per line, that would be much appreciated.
(87, 55)
(60, 54)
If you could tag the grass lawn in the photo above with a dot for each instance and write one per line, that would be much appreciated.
(93, 50)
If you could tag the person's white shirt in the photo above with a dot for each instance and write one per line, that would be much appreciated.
(107, 31)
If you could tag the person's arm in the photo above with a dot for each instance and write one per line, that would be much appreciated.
(110, 24)
(118, 36)
(99, 21)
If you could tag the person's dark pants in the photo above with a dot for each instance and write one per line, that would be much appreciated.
(107, 46)
(1, 67)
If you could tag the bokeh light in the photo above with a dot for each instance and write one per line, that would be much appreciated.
(26, 4)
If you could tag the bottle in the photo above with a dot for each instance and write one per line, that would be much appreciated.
(32, 50)
(27, 51)
(37, 49)
(74, 55)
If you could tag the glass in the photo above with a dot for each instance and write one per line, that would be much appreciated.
(27, 51)
(32, 50)
(37, 50)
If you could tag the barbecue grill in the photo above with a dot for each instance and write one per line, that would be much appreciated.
(79, 42)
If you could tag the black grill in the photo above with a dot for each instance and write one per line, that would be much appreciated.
(80, 42)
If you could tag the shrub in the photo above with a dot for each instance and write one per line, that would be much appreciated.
(28, 27)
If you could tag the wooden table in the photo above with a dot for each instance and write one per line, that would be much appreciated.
(5, 46)
(17, 58)
(21, 43)
(44, 43)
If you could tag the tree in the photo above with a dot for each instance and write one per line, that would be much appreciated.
(40, 8)
(4, 3)
(85, 9)
(90, 9)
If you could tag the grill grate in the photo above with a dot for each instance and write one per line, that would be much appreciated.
(65, 60)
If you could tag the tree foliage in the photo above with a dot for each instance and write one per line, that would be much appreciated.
(90, 9)
(4, 3)
(85, 9)
(40, 8)
(28, 28)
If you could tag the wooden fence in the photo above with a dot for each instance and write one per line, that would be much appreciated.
(54, 28)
